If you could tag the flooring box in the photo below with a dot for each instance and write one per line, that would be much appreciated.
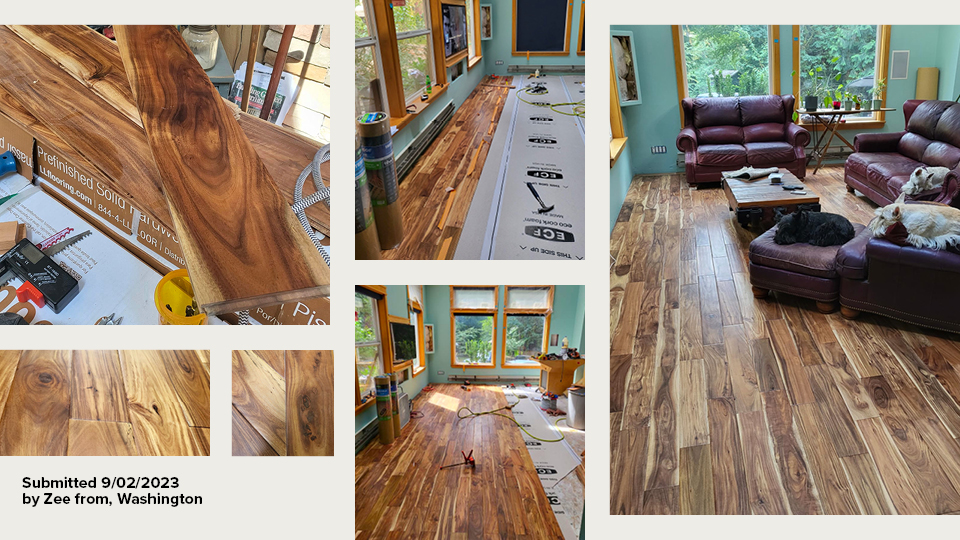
(20, 143)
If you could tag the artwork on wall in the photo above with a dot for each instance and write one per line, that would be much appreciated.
(625, 67)
(486, 21)
(899, 64)
(428, 338)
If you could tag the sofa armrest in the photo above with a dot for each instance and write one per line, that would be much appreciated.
(950, 191)
(877, 142)
(797, 136)
(883, 251)
(687, 140)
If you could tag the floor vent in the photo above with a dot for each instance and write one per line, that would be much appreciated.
(491, 378)
(365, 435)
(410, 155)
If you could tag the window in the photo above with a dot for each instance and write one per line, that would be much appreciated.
(526, 324)
(473, 313)
(726, 60)
(368, 72)
(412, 23)
(838, 60)
(416, 320)
(368, 349)
(473, 33)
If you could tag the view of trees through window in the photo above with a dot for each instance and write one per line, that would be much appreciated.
(524, 338)
(414, 50)
(855, 49)
(473, 337)
(726, 60)
(365, 66)
(366, 341)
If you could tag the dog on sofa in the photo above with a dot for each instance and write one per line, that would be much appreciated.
(925, 178)
(929, 225)
(814, 228)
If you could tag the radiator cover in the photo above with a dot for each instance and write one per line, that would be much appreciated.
(408, 158)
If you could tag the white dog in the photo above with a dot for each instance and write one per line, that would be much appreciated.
(934, 226)
(924, 178)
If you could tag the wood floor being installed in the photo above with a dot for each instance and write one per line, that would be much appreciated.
(282, 403)
(455, 160)
(722, 403)
(104, 403)
(402, 493)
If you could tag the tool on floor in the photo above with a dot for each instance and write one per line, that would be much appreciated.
(543, 208)
(44, 281)
(109, 320)
(8, 163)
(468, 461)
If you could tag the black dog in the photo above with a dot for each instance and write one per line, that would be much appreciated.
(814, 228)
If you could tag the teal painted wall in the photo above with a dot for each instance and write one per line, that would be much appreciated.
(397, 300)
(501, 46)
(620, 176)
(947, 61)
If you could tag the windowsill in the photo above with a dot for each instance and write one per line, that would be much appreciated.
(400, 367)
(472, 366)
(616, 148)
(418, 106)
(532, 365)
(419, 371)
(474, 61)
(364, 406)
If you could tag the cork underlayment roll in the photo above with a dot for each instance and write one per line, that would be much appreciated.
(377, 147)
(928, 79)
(384, 409)
(365, 237)
(395, 402)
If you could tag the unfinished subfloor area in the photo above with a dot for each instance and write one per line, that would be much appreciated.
(104, 403)
(401, 491)
(726, 404)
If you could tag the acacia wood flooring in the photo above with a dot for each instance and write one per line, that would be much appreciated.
(455, 160)
(283, 403)
(402, 493)
(726, 404)
(104, 403)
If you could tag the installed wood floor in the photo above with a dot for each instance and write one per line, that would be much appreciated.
(725, 404)
(282, 403)
(104, 403)
(455, 159)
(402, 493)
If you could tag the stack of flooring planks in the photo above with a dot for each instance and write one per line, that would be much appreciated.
(455, 160)
(104, 403)
(726, 404)
(283, 403)
(402, 493)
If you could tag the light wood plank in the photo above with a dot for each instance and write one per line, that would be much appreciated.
(690, 391)
(259, 393)
(192, 383)
(696, 481)
(93, 438)
(36, 417)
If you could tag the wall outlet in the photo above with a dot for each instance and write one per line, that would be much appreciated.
(439, 373)
(499, 62)
(658, 149)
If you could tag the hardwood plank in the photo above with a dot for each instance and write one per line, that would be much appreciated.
(710, 317)
(274, 359)
(97, 391)
(155, 409)
(872, 495)
(309, 377)
(791, 364)
(944, 447)
(900, 483)
(691, 332)
(259, 393)
(743, 374)
(619, 377)
(766, 494)
(648, 321)
(247, 441)
(794, 469)
(833, 487)
(691, 395)
(729, 475)
(663, 457)
(192, 384)
(627, 468)
(840, 426)
(36, 417)
(225, 251)
(696, 481)
(625, 334)
(729, 305)
(662, 501)
(769, 378)
(641, 384)
(716, 371)
(848, 384)
(8, 368)
(101, 438)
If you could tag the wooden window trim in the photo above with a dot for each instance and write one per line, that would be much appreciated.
(381, 291)
(566, 38)
(539, 311)
(484, 311)
(475, 59)
(580, 52)
(421, 349)
(619, 141)
(547, 312)
(883, 62)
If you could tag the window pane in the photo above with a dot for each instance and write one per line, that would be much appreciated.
(726, 60)
(414, 65)
(524, 338)
(474, 339)
(368, 367)
(528, 298)
(365, 319)
(471, 46)
(366, 76)
(414, 321)
(412, 16)
(855, 49)
(470, 298)
(361, 29)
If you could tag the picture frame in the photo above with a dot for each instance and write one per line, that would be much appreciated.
(428, 338)
(623, 49)
(486, 22)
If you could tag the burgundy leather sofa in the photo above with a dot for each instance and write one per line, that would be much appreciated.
(727, 133)
(882, 162)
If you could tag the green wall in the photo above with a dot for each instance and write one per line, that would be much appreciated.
(501, 46)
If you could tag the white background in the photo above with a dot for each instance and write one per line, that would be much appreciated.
(313, 497)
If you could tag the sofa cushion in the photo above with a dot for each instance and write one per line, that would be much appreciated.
(762, 110)
(715, 112)
(879, 174)
(925, 119)
(722, 155)
(941, 154)
(761, 154)
(720, 135)
(818, 261)
(948, 127)
(913, 145)
(858, 162)
(763, 133)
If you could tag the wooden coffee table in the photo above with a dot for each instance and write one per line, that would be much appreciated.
(756, 201)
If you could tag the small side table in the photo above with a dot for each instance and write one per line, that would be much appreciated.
(829, 119)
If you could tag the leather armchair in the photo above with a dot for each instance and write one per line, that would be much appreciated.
(725, 134)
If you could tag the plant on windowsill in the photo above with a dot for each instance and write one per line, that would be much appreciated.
(816, 74)
(856, 102)
(847, 101)
(878, 89)
(837, 96)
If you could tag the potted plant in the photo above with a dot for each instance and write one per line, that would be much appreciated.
(847, 101)
(811, 100)
(856, 102)
(878, 89)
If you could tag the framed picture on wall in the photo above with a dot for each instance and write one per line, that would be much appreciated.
(486, 21)
(625, 67)
(428, 338)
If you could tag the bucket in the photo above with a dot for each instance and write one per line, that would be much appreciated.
(175, 290)
(575, 416)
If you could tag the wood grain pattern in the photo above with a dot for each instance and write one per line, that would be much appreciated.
(98, 387)
(690, 389)
(696, 481)
(806, 412)
(93, 438)
(309, 378)
(259, 393)
(208, 170)
(9, 360)
(192, 383)
(36, 416)
(247, 441)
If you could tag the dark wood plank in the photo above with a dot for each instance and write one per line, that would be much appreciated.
(836, 418)
(627, 468)
(790, 362)
(97, 391)
(729, 475)
(764, 487)
(835, 493)
(866, 483)
(794, 470)
(247, 441)
(662, 501)
(717, 372)
(696, 481)
(309, 377)
(37, 414)
(259, 393)
(768, 370)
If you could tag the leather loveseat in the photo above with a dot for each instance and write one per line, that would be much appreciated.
(882, 162)
(727, 133)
